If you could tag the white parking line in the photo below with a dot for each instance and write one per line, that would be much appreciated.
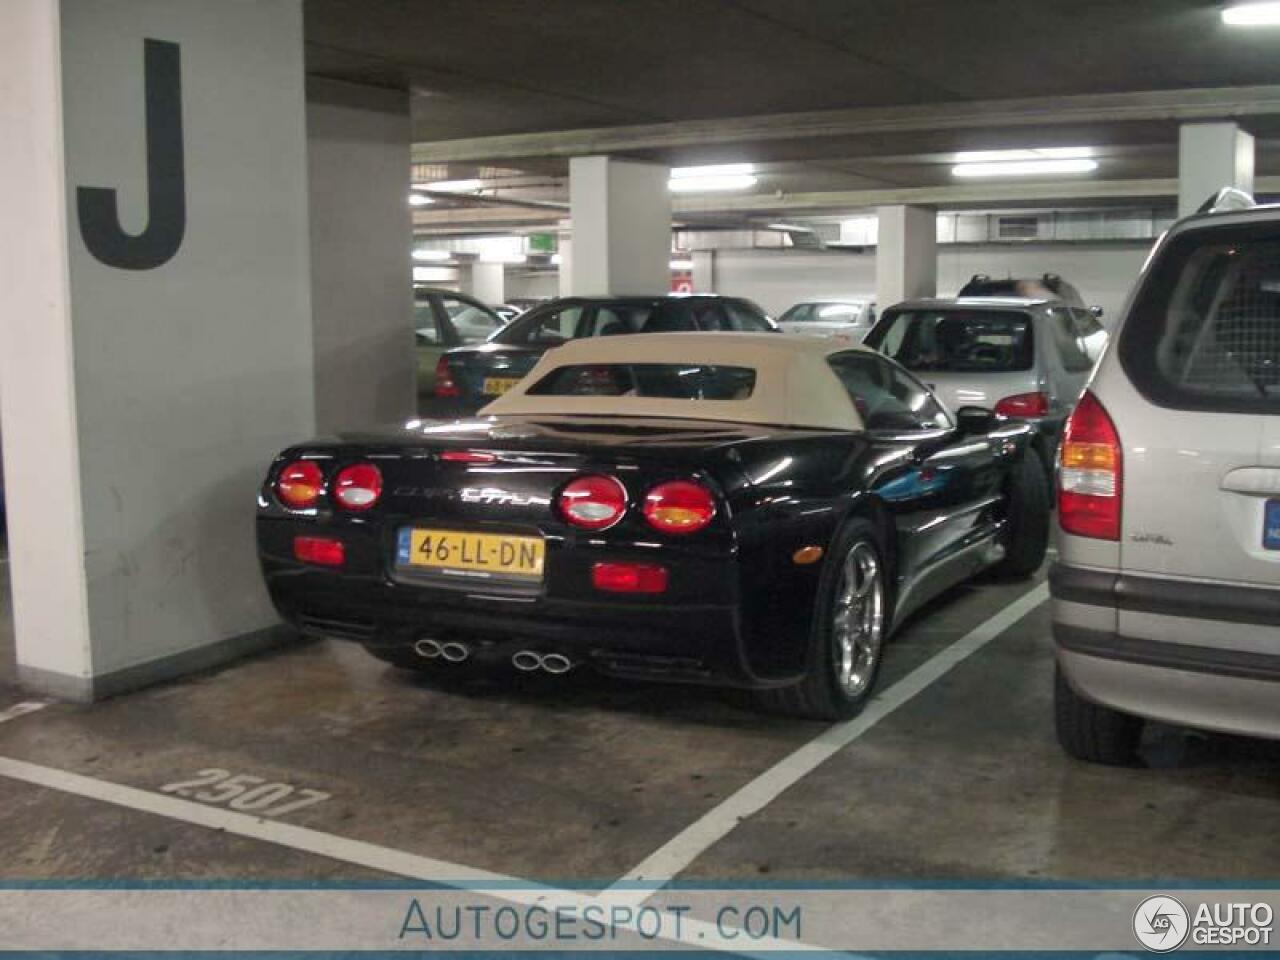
(665, 863)
(22, 709)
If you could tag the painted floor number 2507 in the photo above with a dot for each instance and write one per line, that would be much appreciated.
(245, 792)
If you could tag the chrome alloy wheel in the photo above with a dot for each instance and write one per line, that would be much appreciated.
(857, 623)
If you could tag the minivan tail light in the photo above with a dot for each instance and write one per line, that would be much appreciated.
(680, 506)
(358, 486)
(1091, 474)
(446, 386)
(298, 485)
(1024, 405)
(593, 502)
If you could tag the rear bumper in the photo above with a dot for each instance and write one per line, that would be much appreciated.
(1210, 687)
(695, 635)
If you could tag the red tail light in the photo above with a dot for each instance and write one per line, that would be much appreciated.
(466, 456)
(446, 386)
(680, 506)
(594, 502)
(629, 577)
(322, 551)
(299, 484)
(1090, 480)
(1024, 405)
(358, 486)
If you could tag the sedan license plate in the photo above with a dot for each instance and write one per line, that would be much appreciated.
(1271, 525)
(471, 554)
(497, 386)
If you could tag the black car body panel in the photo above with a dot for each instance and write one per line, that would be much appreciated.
(738, 607)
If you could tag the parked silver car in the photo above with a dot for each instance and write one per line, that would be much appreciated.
(1026, 359)
(851, 319)
(1166, 597)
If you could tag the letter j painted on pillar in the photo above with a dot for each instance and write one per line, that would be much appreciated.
(166, 178)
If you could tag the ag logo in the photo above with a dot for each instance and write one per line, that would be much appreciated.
(1161, 924)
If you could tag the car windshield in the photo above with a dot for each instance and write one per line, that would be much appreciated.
(675, 381)
(956, 340)
(471, 322)
(825, 312)
(557, 323)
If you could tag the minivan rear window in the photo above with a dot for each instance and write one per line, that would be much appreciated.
(1204, 330)
(672, 381)
(956, 341)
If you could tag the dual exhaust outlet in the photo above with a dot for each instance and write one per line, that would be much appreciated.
(526, 661)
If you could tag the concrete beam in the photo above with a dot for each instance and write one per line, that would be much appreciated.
(1210, 103)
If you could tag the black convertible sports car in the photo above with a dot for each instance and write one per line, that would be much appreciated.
(762, 513)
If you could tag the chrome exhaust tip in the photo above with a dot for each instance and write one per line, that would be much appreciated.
(526, 661)
(556, 663)
(455, 652)
(428, 649)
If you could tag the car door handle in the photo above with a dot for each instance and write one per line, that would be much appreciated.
(1257, 481)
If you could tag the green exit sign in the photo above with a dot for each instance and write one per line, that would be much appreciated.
(542, 243)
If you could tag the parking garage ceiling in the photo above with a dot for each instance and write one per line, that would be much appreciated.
(707, 81)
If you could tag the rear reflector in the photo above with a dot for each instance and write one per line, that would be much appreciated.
(1091, 475)
(446, 386)
(299, 484)
(593, 502)
(323, 551)
(1024, 405)
(681, 506)
(358, 486)
(629, 577)
(466, 456)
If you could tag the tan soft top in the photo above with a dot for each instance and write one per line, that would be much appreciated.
(794, 384)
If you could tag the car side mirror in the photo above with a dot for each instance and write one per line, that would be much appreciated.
(1096, 311)
(973, 420)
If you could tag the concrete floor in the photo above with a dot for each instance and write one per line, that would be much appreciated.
(576, 780)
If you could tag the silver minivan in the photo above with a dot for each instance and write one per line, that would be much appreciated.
(1166, 596)
(1026, 359)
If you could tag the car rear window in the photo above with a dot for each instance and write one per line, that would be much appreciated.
(1204, 330)
(675, 381)
(956, 341)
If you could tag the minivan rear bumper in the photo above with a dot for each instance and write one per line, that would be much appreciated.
(1213, 688)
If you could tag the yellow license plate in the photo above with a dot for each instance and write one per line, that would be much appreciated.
(472, 554)
(497, 386)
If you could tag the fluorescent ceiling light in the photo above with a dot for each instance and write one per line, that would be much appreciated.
(791, 227)
(434, 256)
(456, 186)
(1039, 153)
(713, 177)
(556, 259)
(1252, 15)
(1023, 168)
(681, 264)
(419, 200)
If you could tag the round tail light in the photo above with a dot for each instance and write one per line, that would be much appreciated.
(299, 484)
(358, 486)
(594, 502)
(681, 506)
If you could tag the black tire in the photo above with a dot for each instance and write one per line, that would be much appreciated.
(1091, 732)
(1027, 536)
(820, 695)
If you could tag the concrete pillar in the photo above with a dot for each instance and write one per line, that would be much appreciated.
(1212, 156)
(485, 281)
(564, 250)
(704, 271)
(906, 254)
(621, 213)
(361, 232)
(155, 315)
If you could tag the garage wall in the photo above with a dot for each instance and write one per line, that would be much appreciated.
(191, 365)
(358, 161)
(776, 279)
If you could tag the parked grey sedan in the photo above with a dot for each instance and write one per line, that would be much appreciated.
(1027, 359)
